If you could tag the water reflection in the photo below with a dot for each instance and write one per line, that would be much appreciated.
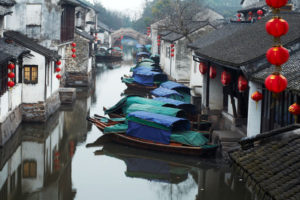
(51, 161)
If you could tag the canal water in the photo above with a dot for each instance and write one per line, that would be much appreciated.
(51, 161)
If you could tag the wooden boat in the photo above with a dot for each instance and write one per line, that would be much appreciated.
(170, 148)
(138, 87)
(108, 58)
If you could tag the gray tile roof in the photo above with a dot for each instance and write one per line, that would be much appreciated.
(7, 2)
(248, 44)
(84, 34)
(254, 6)
(32, 45)
(4, 57)
(291, 70)
(11, 48)
(103, 26)
(4, 11)
(270, 163)
(192, 26)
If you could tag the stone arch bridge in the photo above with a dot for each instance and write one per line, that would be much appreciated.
(141, 38)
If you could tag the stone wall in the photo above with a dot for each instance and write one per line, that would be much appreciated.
(78, 79)
(10, 125)
(39, 112)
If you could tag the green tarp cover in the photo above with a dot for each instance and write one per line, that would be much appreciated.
(154, 109)
(186, 97)
(118, 128)
(127, 80)
(117, 106)
(105, 119)
(189, 138)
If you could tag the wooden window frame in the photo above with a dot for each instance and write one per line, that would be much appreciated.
(31, 174)
(37, 71)
(67, 24)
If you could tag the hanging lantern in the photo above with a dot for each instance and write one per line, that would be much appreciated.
(73, 56)
(172, 54)
(57, 69)
(158, 40)
(250, 13)
(256, 96)
(158, 37)
(73, 50)
(277, 27)
(294, 109)
(259, 18)
(238, 20)
(260, 12)
(242, 83)
(11, 75)
(10, 84)
(212, 72)
(172, 50)
(276, 83)
(225, 78)
(238, 15)
(58, 62)
(73, 44)
(158, 44)
(276, 3)
(172, 45)
(278, 55)
(249, 18)
(58, 76)
(11, 66)
(202, 68)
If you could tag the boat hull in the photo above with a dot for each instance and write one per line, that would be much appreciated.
(100, 58)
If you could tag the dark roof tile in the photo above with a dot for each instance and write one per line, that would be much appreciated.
(4, 11)
(31, 44)
(7, 2)
(84, 34)
(11, 48)
(248, 44)
(4, 57)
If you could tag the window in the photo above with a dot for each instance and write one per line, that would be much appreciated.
(30, 74)
(29, 169)
(33, 14)
(3, 78)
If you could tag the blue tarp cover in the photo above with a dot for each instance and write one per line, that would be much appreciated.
(168, 121)
(175, 86)
(148, 133)
(145, 76)
(189, 108)
(164, 92)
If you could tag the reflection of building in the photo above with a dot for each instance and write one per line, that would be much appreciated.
(36, 162)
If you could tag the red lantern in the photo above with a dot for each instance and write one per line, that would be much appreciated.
(277, 55)
(256, 96)
(11, 66)
(249, 18)
(172, 54)
(11, 75)
(294, 109)
(260, 12)
(242, 83)
(202, 68)
(10, 84)
(238, 20)
(172, 50)
(238, 15)
(58, 76)
(276, 3)
(225, 78)
(276, 83)
(158, 40)
(148, 27)
(250, 13)
(212, 72)
(57, 69)
(158, 37)
(158, 44)
(73, 50)
(73, 44)
(277, 27)
(172, 45)
(58, 62)
(73, 56)
(259, 18)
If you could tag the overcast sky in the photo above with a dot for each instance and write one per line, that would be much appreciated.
(125, 6)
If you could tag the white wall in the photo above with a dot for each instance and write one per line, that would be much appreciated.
(196, 78)
(90, 62)
(254, 111)
(216, 92)
(154, 49)
(33, 93)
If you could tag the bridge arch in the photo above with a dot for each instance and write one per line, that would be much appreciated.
(141, 38)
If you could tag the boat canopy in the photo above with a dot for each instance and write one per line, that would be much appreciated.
(143, 53)
(147, 77)
(125, 102)
(175, 112)
(138, 46)
(154, 127)
(147, 60)
(164, 92)
(176, 86)
(187, 107)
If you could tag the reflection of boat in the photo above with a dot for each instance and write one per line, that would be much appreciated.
(146, 165)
